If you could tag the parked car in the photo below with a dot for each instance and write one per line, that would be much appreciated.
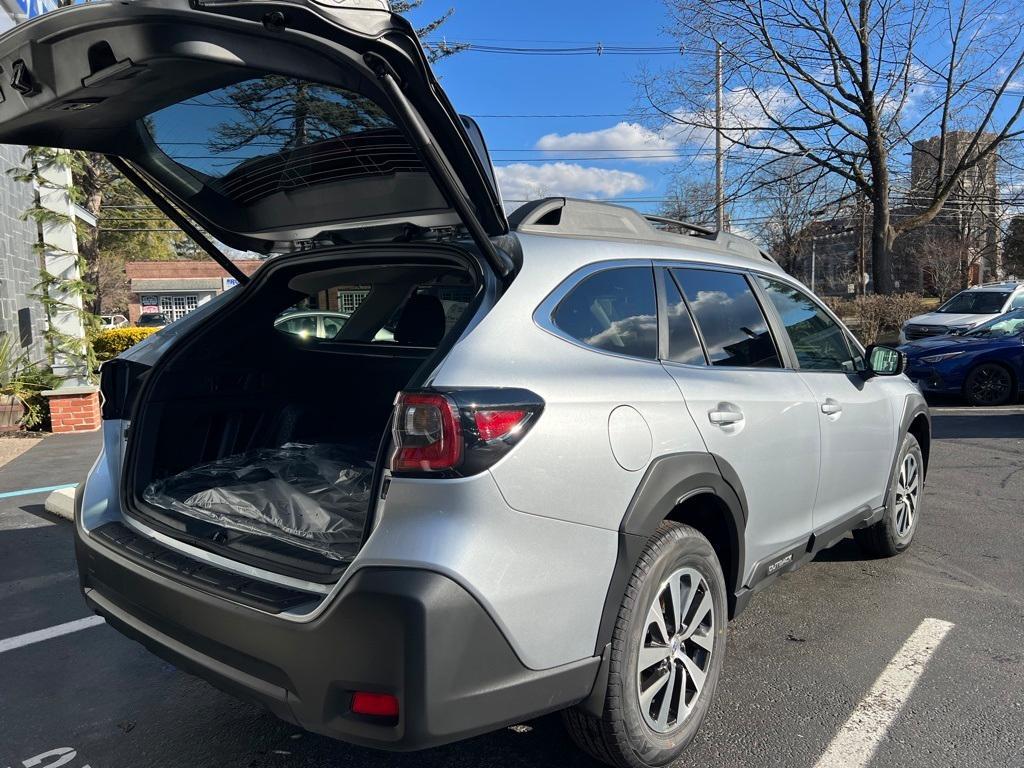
(967, 310)
(312, 324)
(153, 320)
(108, 322)
(984, 365)
(589, 443)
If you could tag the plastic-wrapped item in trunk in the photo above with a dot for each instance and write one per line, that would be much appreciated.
(311, 496)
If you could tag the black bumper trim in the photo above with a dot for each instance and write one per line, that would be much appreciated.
(415, 634)
(232, 586)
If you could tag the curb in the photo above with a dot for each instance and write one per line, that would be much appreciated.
(62, 503)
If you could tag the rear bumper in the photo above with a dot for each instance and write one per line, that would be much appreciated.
(412, 633)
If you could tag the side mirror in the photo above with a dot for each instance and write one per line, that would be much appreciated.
(885, 361)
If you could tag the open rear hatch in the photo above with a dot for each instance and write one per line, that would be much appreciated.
(275, 127)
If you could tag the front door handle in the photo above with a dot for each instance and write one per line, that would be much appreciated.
(725, 418)
(831, 407)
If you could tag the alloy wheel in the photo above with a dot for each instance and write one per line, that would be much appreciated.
(908, 491)
(990, 385)
(675, 650)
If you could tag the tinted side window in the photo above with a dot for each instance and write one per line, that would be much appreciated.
(614, 310)
(727, 313)
(1017, 302)
(683, 344)
(819, 342)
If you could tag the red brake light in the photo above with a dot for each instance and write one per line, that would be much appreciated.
(374, 704)
(428, 434)
(493, 425)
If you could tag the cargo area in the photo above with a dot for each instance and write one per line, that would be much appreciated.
(263, 434)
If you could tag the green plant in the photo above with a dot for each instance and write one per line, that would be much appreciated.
(111, 343)
(26, 381)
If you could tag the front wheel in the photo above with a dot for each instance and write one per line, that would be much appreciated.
(666, 655)
(988, 385)
(895, 531)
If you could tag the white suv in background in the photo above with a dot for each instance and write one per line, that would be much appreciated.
(965, 311)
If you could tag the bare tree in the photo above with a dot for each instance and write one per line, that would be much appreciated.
(690, 201)
(945, 258)
(788, 195)
(848, 85)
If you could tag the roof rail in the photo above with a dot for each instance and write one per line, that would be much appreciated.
(589, 218)
(696, 228)
(1008, 281)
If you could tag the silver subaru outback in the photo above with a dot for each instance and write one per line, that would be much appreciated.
(537, 463)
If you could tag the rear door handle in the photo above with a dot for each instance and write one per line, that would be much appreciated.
(724, 418)
(831, 407)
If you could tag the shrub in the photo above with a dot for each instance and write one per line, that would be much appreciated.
(26, 381)
(874, 317)
(111, 343)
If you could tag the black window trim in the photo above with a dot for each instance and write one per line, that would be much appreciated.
(787, 357)
(661, 274)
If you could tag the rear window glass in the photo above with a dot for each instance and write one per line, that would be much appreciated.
(683, 344)
(614, 310)
(276, 133)
(411, 307)
(731, 322)
(975, 303)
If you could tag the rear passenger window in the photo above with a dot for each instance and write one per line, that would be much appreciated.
(614, 310)
(683, 344)
(730, 320)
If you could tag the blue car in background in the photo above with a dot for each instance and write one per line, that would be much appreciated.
(985, 365)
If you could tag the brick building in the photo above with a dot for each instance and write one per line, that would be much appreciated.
(175, 288)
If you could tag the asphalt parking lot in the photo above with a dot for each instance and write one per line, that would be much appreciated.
(802, 676)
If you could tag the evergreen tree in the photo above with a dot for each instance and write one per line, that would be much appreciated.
(1013, 248)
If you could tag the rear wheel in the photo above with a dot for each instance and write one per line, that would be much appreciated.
(895, 531)
(666, 656)
(989, 384)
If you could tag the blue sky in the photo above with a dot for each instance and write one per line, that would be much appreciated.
(484, 85)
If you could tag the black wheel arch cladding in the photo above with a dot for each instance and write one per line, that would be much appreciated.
(669, 482)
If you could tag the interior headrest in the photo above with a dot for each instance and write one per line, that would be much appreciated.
(422, 321)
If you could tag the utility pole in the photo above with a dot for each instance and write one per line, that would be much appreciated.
(719, 157)
(862, 286)
(814, 259)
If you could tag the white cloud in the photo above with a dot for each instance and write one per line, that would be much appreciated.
(686, 132)
(624, 140)
(523, 181)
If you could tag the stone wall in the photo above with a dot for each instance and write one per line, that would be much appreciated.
(19, 262)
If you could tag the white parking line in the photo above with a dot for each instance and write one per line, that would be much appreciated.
(860, 736)
(29, 638)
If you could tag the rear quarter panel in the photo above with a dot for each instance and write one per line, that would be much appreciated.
(565, 467)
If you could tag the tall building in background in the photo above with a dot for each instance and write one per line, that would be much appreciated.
(967, 227)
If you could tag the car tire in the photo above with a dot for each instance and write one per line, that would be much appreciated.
(990, 384)
(894, 533)
(624, 736)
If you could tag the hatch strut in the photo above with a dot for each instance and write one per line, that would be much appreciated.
(178, 218)
(441, 170)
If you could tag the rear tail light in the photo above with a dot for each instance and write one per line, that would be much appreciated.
(459, 432)
(428, 434)
(494, 425)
